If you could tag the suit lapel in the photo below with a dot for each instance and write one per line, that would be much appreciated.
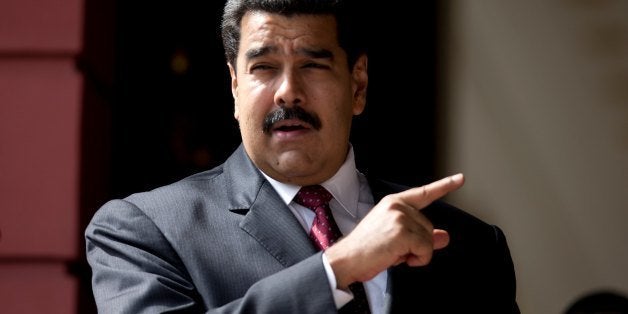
(274, 226)
(267, 218)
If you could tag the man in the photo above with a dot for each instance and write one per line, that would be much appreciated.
(240, 238)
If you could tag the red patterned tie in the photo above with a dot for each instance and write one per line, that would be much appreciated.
(325, 233)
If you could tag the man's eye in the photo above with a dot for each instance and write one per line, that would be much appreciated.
(315, 65)
(261, 67)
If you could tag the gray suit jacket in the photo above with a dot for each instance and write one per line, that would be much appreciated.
(222, 241)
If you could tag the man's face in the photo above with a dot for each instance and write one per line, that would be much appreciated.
(285, 63)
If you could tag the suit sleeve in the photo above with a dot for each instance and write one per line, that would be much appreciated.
(136, 270)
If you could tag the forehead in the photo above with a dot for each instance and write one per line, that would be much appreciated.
(259, 29)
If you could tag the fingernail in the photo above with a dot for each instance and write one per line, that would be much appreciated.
(457, 178)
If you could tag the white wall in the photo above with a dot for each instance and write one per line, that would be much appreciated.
(536, 116)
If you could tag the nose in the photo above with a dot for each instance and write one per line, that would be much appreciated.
(290, 91)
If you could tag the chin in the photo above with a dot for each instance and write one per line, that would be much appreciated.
(294, 164)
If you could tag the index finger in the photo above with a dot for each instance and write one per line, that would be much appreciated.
(422, 196)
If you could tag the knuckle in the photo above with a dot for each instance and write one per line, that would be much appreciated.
(423, 191)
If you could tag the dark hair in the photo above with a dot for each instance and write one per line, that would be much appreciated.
(351, 32)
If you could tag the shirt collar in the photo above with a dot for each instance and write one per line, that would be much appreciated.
(344, 186)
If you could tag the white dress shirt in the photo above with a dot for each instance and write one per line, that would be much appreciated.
(352, 200)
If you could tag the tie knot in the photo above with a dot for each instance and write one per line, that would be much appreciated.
(313, 196)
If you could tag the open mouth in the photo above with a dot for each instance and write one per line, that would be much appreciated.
(290, 125)
(289, 128)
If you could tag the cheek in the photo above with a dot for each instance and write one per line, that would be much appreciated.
(254, 101)
(250, 115)
(345, 114)
(338, 119)
(346, 109)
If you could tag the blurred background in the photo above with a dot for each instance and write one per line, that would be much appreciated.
(100, 99)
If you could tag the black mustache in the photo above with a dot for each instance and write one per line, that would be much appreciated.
(284, 113)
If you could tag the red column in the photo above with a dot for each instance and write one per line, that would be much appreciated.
(40, 103)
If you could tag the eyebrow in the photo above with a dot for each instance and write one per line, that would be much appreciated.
(313, 53)
(258, 52)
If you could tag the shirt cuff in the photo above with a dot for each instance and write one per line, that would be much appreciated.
(341, 297)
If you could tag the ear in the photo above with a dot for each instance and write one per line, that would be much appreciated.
(360, 78)
(234, 89)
